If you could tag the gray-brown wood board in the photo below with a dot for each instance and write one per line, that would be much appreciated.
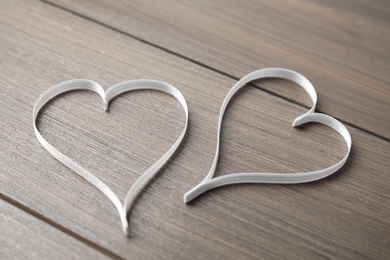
(344, 216)
(341, 45)
(26, 237)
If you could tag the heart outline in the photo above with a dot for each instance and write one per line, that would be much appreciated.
(107, 96)
(209, 182)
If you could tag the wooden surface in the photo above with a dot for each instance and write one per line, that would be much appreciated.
(201, 48)
(25, 236)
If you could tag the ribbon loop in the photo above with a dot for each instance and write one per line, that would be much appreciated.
(112, 92)
(209, 182)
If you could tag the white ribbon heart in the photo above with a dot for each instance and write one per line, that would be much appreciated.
(82, 84)
(281, 178)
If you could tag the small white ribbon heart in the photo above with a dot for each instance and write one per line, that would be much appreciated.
(82, 84)
(281, 178)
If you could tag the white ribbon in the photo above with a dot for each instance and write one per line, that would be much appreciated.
(82, 84)
(280, 178)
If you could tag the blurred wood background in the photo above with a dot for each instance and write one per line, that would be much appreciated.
(202, 48)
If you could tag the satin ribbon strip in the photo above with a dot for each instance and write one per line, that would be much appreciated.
(82, 84)
(279, 178)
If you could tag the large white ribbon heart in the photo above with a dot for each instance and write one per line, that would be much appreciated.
(281, 178)
(82, 84)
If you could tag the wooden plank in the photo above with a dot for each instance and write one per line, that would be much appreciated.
(345, 216)
(25, 237)
(341, 46)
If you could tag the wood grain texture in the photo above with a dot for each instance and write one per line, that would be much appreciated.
(25, 237)
(341, 46)
(345, 216)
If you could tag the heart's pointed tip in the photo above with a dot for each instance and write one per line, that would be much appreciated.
(105, 106)
(186, 198)
(296, 122)
(300, 120)
(126, 231)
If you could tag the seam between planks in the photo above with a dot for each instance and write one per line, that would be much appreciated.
(257, 86)
(60, 227)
